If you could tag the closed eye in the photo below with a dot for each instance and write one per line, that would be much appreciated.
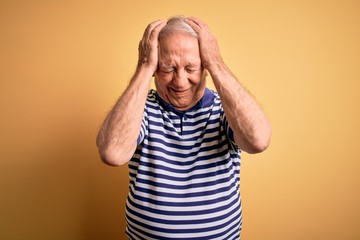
(191, 69)
(167, 69)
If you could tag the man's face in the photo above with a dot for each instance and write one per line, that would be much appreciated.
(180, 78)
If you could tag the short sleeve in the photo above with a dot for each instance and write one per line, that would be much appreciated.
(229, 132)
(144, 127)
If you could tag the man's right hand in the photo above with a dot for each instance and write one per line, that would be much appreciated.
(148, 46)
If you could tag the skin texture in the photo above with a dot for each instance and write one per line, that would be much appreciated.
(116, 140)
(180, 63)
(180, 78)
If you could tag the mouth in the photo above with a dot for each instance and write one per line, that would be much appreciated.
(178, 92)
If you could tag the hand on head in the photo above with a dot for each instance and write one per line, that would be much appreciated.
(148, 46)
(209, 48)
(208, 45)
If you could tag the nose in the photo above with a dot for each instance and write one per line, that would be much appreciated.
(180, 78)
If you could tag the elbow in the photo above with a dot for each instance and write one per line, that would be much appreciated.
(113, 156)
(260, 142)
(259, 146)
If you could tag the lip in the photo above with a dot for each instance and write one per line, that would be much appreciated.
(179, 92)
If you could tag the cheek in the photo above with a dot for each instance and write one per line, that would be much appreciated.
(197, 79)
(161, 83)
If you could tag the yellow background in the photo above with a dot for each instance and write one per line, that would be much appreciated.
(63, 64)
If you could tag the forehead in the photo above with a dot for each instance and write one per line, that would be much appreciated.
(178, 45)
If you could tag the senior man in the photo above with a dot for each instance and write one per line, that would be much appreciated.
(183, 141)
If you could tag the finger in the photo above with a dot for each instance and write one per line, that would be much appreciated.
(192, 21)
(156, 29)
(195, 21)
(149, 32)
(195, 24)
(154, 25)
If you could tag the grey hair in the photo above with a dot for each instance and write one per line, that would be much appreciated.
(177, 24)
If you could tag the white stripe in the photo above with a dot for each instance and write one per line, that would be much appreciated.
(180, 210)
(188, 199)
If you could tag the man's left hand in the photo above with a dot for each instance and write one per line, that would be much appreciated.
(209, 48)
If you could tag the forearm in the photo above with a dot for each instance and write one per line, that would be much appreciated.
(117, 137)
(252, 130)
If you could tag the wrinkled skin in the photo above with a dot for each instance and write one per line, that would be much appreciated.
(180, 77)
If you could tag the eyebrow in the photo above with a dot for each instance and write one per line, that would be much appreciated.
(166, 67)
(192, 65)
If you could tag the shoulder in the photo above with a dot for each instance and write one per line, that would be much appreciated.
(211, 97)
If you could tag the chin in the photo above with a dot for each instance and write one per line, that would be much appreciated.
(183, 106)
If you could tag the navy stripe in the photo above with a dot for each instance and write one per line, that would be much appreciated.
(203, 193)
(188, 154)
(188, 221)
(165, 134)
(182, 204)
(181, 162)
(184, 212)
(211, 164)
(186, 147)
(186, 231)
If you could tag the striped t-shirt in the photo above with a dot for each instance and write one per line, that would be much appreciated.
(184, 174)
